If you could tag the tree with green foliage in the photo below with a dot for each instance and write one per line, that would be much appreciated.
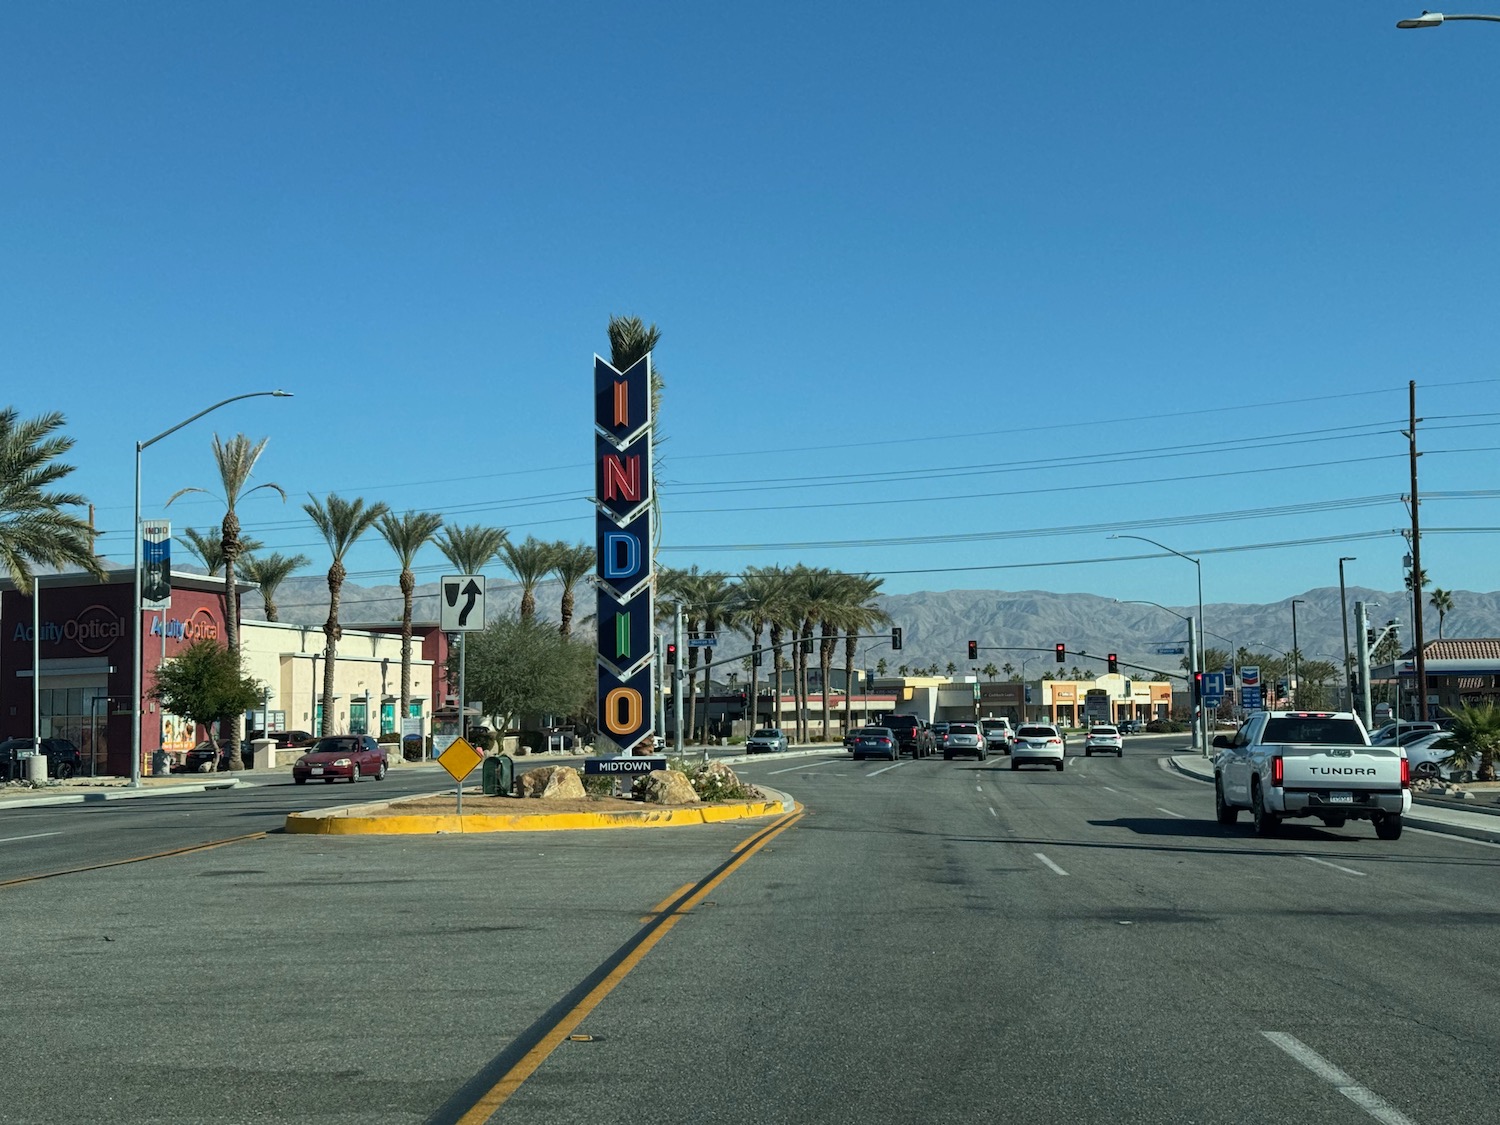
(1474, 738)
(34, 529)
(407, 534)
(206, 684)
(571, 562)
(530, 562)
(269, 572)
(1442, 601)
(522, 668)
(340, 522)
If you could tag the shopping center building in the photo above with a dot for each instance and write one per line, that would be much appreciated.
(80, 630)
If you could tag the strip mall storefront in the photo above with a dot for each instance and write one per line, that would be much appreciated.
(84, 691)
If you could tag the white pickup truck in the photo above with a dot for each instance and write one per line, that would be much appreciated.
(1310, 764)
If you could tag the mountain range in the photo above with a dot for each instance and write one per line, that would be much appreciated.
(937, 625)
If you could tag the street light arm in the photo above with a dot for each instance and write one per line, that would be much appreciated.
(1433, 19)
(1163, 546)
(143, 445)
(1158, 605)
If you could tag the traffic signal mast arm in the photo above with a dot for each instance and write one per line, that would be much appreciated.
(788, 643)
(1079, 652)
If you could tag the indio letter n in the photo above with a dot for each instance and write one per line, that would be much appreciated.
(622, 477)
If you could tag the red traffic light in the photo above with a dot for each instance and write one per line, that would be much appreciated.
(1062, 654)
(973, 650)
(671, 654)
(1114, 663)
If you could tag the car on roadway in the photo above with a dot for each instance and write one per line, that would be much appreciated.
(915, 737)
(1428, 758)
(998, 734)
(1129, 726)
(1103, 740)
(766, 740)
(939, 733)
(1398, 734)
(871, 742)
(284, 739)
(964, 738)
(1038, 744)
(63, 757)
(350, 756)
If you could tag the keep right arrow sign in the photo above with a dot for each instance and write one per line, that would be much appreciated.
(461, 608)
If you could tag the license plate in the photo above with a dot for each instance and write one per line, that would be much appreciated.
(316, 771)
(1341, 798)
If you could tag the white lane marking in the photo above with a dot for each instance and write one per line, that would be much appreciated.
(886, 769)
(994, 814)
(1049, 863)
(815, 765)
(1336, 867)
(1169, 812)
(1111, 788)
(33, 836)
(1362, 1096)
(979, 788)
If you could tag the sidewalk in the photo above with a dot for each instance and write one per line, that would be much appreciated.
(1480, 824)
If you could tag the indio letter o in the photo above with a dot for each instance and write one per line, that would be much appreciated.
(632, 701)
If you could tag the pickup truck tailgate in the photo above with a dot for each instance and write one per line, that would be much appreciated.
(1341, 767)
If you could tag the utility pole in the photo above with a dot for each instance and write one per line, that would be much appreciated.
(1416, 559)
(1344, 610)
(677, 684)
(1361, 629)
(1200, 721)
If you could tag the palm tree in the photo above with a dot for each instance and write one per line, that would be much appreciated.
(756, 597)
(681, 589)
(1442, 601)
(341, 523)
(858, 614)
(530, 562)
(207, 547)
(715, 597)
(235, 460)
(815, 591)
(570, 563)
(407, 534)
(470, 548)
(1475, 735)
(990, 671)
(34, 530)
(269, 572)
(1007, 669)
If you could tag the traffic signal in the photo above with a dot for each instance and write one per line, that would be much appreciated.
(1114, 663)
(756, 652)
(671, 654)
(973, 650)
(1369, 638)
(1197, 687)
(807, 646)
(1062, 654)
(896, 640)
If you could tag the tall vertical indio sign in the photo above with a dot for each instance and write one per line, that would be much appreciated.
(622, 494)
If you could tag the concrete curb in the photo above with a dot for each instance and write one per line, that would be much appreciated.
(357, 820)
(120, 793)
(1424, 819)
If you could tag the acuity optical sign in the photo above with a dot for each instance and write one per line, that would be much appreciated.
(622, 495)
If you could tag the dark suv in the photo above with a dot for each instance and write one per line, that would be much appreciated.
(63, 758)
(912, 734)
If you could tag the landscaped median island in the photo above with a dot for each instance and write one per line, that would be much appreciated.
(554, 798)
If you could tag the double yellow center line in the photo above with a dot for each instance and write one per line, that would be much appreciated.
(492, 1087)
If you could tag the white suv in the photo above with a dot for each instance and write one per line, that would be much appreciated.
(1039, 744)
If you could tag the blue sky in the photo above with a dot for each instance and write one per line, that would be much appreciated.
(1008, 278)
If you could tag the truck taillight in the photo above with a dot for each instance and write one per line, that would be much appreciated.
(1277, 770)
(1405, 774)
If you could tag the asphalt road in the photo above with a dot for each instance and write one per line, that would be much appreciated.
(934, 941)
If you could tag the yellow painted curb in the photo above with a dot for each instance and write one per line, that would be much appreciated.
(339, 822)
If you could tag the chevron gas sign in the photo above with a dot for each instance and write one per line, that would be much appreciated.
(622, 497)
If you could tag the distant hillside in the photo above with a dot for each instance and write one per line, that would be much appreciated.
(937, 625)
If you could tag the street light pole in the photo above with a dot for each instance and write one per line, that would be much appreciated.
(1200, 731)
(135, 611)
(1296, 656)
(1344, 610)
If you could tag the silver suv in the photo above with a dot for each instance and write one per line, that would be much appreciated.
(964, 738)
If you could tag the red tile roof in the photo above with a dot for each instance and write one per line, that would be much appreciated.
(1476, 648)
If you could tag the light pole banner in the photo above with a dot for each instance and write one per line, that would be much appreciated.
(623, 491)
(156, 565)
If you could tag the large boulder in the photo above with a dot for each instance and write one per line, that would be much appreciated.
(552, 782)
(666, 787)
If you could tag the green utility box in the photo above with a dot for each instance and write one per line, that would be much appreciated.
(499, 776)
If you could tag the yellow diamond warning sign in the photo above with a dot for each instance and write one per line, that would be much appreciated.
(460, 759)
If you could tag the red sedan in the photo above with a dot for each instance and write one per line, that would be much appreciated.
(349, 756)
